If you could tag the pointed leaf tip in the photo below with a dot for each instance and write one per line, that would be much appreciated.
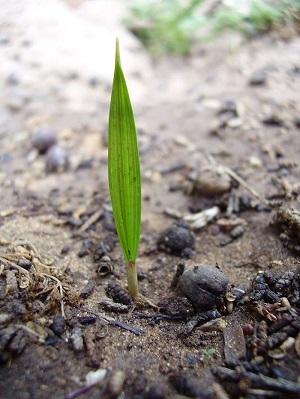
(118, 60)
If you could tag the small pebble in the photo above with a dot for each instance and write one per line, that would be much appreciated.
(115, 384)
(258, 78)
(94, 81)
(77, 339)
(204, 285)
(43, 138)
(248, 329)
(65, 249)
(238, 231)
(57, 160)
(212, 181)
(13, 79)
(58, 325)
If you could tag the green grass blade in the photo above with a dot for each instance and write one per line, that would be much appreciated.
(124, 165)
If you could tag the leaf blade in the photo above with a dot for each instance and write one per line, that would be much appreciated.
(124, 165)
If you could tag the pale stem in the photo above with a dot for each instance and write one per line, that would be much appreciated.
(132, 280)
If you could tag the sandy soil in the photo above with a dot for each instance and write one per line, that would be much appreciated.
(233, 101)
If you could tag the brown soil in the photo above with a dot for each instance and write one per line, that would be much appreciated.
(176, 118)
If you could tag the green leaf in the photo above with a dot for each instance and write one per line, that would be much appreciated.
(124, 165)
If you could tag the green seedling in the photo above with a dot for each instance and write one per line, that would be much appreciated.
(209, 352)
(124, 173)
(173, 26)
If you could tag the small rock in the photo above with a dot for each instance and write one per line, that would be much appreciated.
(57, 160)
(211, 181)
(77, 339)
(115, 384)
(258, 78)
(24, 263)
(204, 286)
(43, 138)
(94, 81)
(238, 231)
(255, 162)
(228, 105)
(13, 79)
(176, 239)
(273, 119)
(58, 325)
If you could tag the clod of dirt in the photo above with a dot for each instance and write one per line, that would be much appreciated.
(177, 239)
(272, 287)
(204, 285)
(118, 294)
(211, 180)
(288, 221)
(12, 342)
(177, 306)
(57, 160)
(43, 138)
(88, 289)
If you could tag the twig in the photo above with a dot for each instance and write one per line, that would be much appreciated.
(91, 220)
(128, 327)
(251, 190)
(259, 381)
(198, 320)
(279, 384)
(158, 316)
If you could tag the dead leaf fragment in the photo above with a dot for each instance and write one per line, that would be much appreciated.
(235, 346)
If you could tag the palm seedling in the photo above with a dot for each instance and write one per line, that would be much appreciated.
(124, 172)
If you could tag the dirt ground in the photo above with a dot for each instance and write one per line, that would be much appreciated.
(234, 103)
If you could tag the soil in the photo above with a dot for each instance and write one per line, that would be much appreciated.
(234, 102)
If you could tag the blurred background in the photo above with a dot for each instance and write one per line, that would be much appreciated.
(57, 60)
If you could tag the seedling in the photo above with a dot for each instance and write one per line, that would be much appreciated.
(124, 172)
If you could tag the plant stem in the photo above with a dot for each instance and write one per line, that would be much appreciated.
(132, 279)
